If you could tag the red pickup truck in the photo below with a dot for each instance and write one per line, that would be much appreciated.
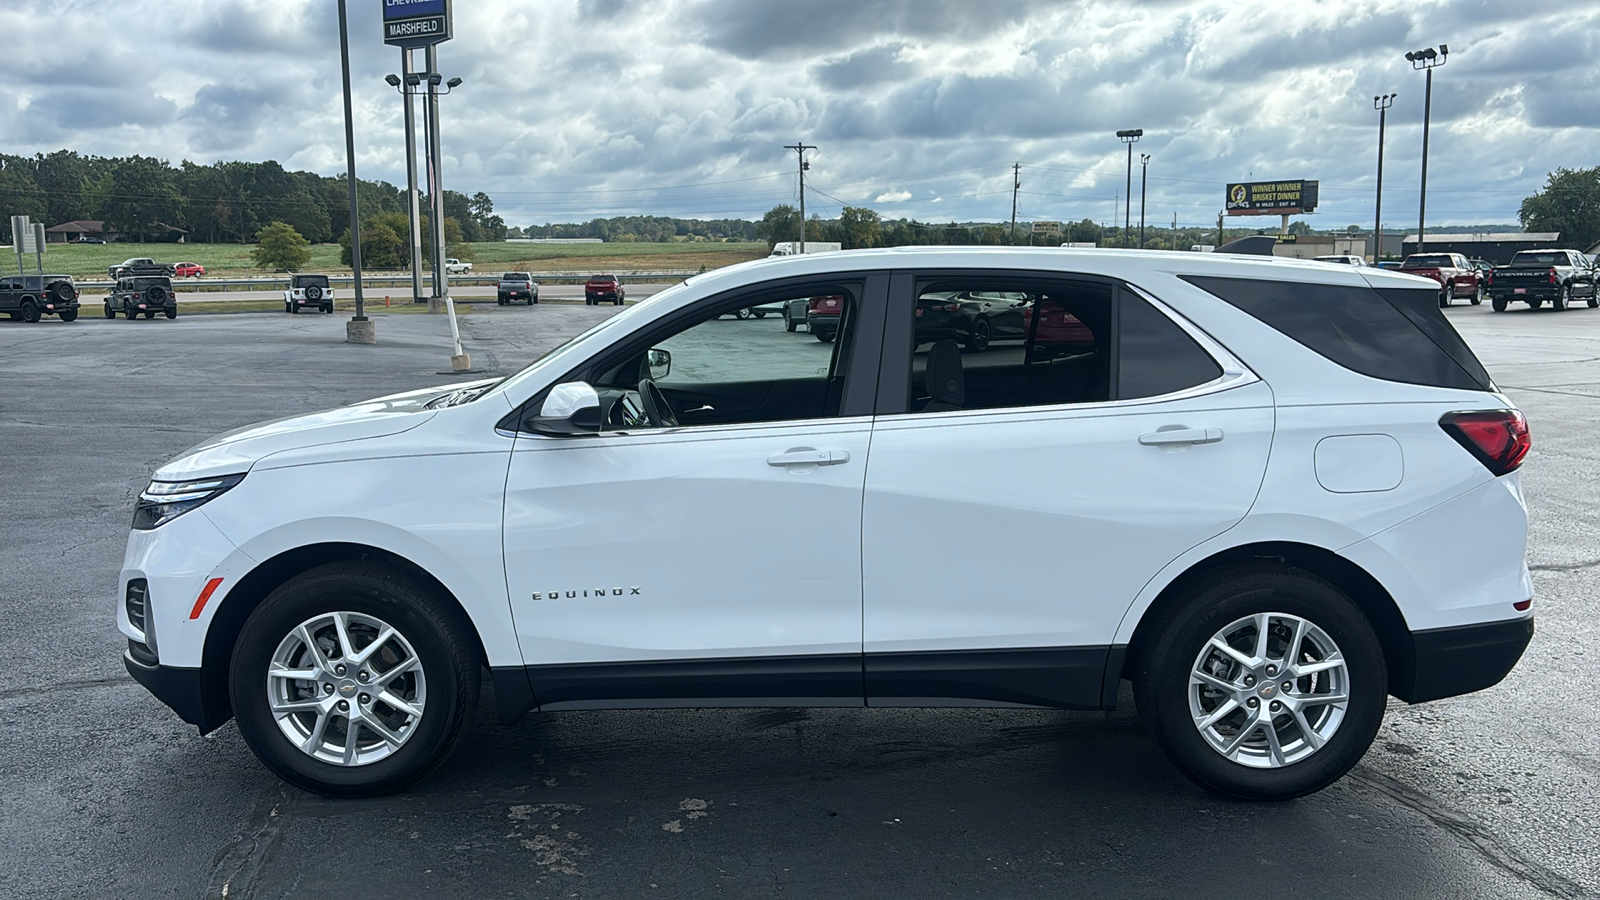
(1456, 276)
(601, 288)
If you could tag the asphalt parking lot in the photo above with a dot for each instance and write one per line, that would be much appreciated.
(105, 793)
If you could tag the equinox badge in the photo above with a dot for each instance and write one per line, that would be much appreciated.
(591, 592)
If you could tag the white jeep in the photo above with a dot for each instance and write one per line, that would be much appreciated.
(308, 290)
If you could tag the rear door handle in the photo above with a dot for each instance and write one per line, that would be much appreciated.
(805, 456)
(1181, 436)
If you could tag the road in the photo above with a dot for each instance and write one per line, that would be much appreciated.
(107, 794)
(478, 292)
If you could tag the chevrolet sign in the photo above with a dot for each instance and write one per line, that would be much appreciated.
(416, 23)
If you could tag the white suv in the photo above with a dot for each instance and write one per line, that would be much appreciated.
(1239, 482)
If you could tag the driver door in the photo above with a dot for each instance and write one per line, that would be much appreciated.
(715, 562)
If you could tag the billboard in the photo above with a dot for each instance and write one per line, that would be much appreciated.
(1270, 198)
(416, 23)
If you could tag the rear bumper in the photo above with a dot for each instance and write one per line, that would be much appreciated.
(1459, 660)
(184, 690)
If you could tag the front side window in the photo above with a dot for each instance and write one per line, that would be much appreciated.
(725, 370)
(1008, 341)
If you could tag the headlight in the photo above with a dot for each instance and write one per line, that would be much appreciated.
(164, 501)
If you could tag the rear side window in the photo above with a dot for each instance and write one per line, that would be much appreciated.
(1392, 334)
(1154, 355)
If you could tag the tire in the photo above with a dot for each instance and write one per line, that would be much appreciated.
(1535, 302)
(29, 311)
(110, 313)
(327, 308)
(1498, 304)
(1444, 297)
(742, 313)
(532, 300)
(62, 293)
(978, 341)
(1594, 296)
(433, 657)
(294, 308)
(1478, 293)
(1561, 299)
(500, 301)
(149, 314)
(131, 313)
(824, 336)
(759, 313)
(68, 315)
(172, 312)
(1228, 604)
(788, 323)
(618, 301)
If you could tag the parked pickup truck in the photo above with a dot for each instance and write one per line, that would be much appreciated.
(457, 267)
(514, 286)
(143, 265)
(1534, 276)
(1456, 276)
(601, 288)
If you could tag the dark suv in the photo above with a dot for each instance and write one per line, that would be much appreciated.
(142, 293)
(28, 297)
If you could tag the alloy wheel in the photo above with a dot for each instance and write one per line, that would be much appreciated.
(346, 688)
(1269, 690)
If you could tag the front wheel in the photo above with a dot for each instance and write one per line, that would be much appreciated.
(1267, 683)
(1561, 299)
(1478, 294)
(351, 680)
(30, 311)
(788, 322)
(110, 313)
(1444, 296)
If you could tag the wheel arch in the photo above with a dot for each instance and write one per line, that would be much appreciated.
(1369, 595)
(229, 618)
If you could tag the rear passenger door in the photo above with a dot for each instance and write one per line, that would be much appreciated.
(1018, 498)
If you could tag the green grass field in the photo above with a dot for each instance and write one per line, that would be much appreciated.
(88, 262)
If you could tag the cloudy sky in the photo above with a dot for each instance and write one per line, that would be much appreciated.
(573, 109)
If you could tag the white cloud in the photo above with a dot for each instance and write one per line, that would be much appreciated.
(938, 97)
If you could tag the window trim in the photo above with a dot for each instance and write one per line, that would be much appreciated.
(894, 382)
(860, 387)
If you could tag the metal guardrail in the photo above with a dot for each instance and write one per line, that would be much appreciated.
(402, 279)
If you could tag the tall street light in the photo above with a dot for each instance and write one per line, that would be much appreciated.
(1129, 136)
(407, 84)
(1426, 59)
(1144, 172)
(459, 361)
(1381, 103)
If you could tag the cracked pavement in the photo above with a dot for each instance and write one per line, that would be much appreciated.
(107, 793)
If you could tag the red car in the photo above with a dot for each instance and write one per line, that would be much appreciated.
(601, 288)
(1456, 276)
(188, 270)
(822, 316)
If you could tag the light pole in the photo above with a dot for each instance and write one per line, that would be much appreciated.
(459, 361)
(359, 329)
(406, 84)
(1129, 136)
(1381, 103)
(1144, 171)
(1426, 59)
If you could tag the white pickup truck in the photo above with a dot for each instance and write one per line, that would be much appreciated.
(456, 267)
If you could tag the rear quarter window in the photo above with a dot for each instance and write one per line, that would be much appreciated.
(1396, 334)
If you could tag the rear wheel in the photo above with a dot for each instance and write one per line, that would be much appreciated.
(824, 336)
(1594, 296)
(172, 312)
(760, 313)
(1266, 684)
(68, 315)
(294, 308)
(131, 313)
(979, 340)
(742, 313)
(1535, 302)
(149, 314)
(1498, 304)
(350, 680)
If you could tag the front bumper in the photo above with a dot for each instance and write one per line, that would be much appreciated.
(1459, 660)
(203, 705)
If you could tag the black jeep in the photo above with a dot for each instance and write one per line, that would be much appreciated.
(142, 291)
(27, 297)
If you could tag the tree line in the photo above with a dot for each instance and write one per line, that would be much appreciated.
(141, 197)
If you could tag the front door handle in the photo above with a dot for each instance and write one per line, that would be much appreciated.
(805, 456)
(1181, 436)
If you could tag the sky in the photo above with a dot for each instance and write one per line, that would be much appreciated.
(576, 109)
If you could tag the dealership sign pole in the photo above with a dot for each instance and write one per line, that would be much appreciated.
(409, 25)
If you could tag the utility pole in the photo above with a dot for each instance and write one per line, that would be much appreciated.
(459, 361)
(1219, 227)
(800, 148)
(1144, 171)
(1381, 103)
(410, 80)
(1016, 185)
(358, 330)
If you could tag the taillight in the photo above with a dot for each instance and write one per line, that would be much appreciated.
(1552, 276)
(1499, 438)
(1491, 276)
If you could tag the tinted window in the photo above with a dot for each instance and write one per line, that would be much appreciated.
(1427, 262)
(1396, 335)
(1154, 355)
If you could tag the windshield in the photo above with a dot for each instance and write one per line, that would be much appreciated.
(1427, 262)
(1526, 258)
(617, 320)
